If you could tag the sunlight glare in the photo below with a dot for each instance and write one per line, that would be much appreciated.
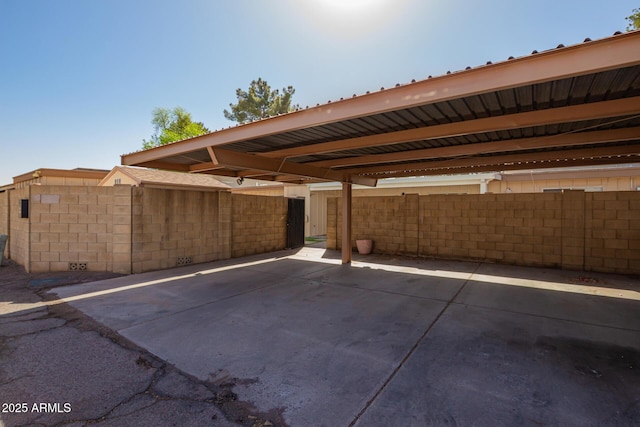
(350, 19)
(351, 5)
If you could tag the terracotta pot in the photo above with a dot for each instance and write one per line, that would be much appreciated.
(364, 246)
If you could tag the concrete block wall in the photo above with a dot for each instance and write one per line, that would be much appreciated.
(390, 221)
(18, 228)
(612, 231)
(258, 224)
(332, 222)
(78, 227)
(224, 224)
(134, 229)
(4, 217)
(520, 229)
(381, 219)
(571, 230)
(170, 225)
(174, 227)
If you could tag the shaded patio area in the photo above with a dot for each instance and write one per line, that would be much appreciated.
(389, 340)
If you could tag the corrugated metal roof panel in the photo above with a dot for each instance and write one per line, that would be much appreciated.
(606, 85)
(504, 135)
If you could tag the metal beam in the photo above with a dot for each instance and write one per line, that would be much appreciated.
(221, 172)
(497, 162)
(560, 140)
(206, 166)
(212, 155)
(158, 164)
(250, 173)
(283, 178)
(236, 159)
(615, 160)
(596, 110)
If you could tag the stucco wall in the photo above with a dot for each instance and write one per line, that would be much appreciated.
(573, 230)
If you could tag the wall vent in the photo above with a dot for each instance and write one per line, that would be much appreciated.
(184, 260)
(77, 266)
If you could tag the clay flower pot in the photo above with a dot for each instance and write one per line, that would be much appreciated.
(364, 246)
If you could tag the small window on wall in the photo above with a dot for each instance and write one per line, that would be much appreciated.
(24, 208)
(117, 181)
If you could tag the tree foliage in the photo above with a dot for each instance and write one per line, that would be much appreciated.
(260, 102)
(634, 20)
(172, 125)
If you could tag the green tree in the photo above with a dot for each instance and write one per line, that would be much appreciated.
(634, 20)
(172, 125)
(260, 102)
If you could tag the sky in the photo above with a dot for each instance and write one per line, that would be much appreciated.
(80, 78)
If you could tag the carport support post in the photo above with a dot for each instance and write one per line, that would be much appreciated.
(346, 223)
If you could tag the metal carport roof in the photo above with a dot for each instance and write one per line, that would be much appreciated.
(568, 106)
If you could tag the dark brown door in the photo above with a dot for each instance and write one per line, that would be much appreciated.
(295, 223)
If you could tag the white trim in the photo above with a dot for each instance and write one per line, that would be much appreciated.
(419, 181)
(586, 189)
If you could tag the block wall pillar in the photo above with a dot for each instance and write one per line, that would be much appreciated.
(225, 209)
(122, 229)
(332, 223)
(573, 229)
(411, 221)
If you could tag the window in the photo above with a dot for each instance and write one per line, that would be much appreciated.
(24, 208)
(117, 181)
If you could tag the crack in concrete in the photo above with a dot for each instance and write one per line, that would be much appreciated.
(15, 337)
(73, 318)
(412, 350)
(125, 401)
(12, 380)
(150, 391)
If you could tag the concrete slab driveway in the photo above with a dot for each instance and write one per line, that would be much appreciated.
(389, 341)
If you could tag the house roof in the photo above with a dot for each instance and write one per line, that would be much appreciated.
(7, 187)
(568, 106)
(163, 178)
(62, 173)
